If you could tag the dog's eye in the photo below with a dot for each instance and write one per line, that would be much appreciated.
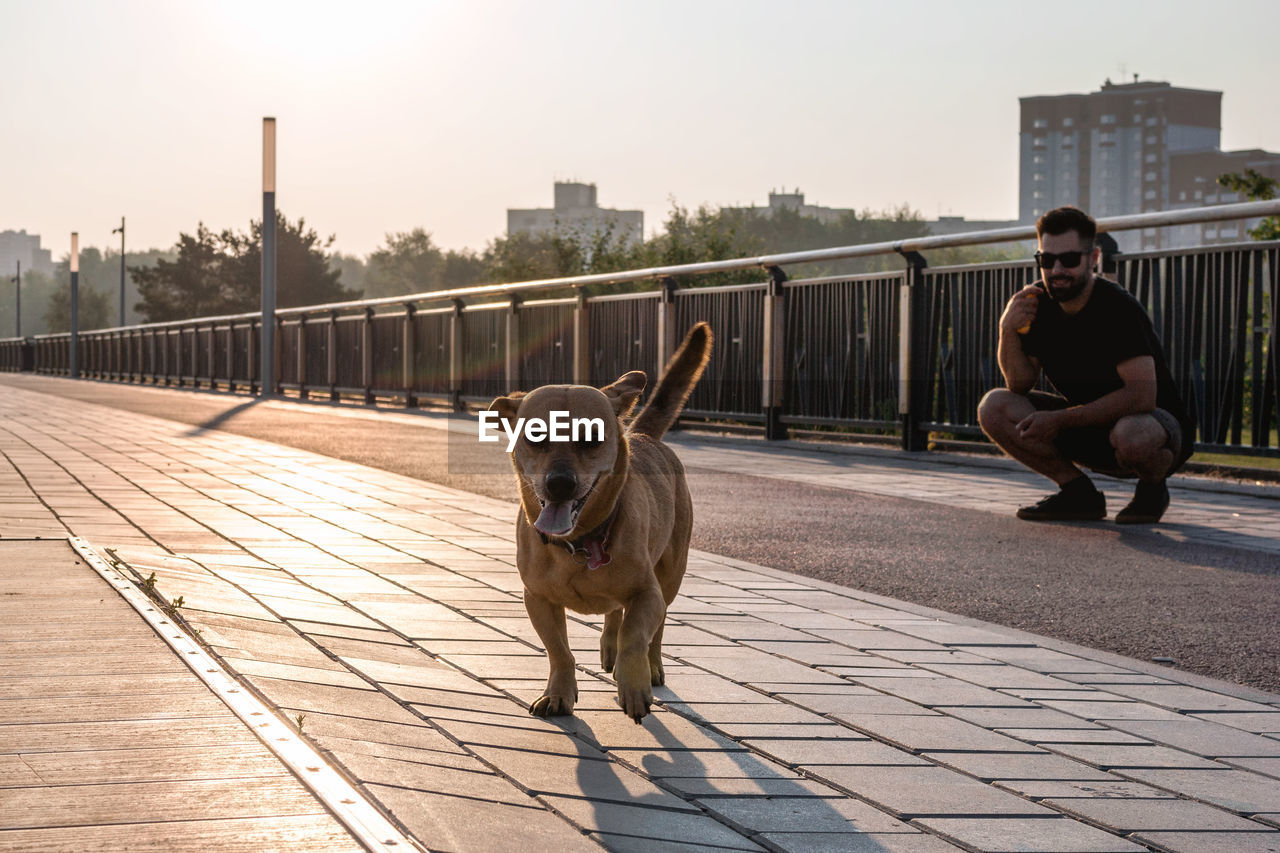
(587, 443)
(537, 444)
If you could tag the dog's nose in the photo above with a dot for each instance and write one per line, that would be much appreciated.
(561, 485)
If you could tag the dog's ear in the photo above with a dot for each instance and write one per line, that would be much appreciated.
(507, 406)
(624, 392)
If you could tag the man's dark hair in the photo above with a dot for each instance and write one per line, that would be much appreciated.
(1060, 220)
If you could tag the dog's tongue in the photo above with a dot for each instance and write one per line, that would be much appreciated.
(556, 518)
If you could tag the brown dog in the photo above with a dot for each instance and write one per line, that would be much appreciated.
(604, 524)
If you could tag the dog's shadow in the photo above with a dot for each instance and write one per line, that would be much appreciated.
(717, 796)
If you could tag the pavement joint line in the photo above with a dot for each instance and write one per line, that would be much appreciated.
(354, 810)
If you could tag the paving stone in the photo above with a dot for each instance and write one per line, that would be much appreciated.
(428, 673)
(658, 824)
(1039, 789)
(1260, 723)
(1117, 756)
(857, 700)
(334, 677)
(660, 764)
(1202, 737)
(933, 733)
(916, 792)
(741, 712)
(1180, 697)
(1095, 711)
(1131, 815)
(874, 639)
(476, 781)
(1051, 835)
(854, 750)
(935, 691)
(461, 824)
(990, 766)
(801, 814)
(1029, 717)
(659, 730)
(881, 842)
(784, 731)
(1266, 766)
(734, 786)
(998, 675)
(546, 738)
(1195, 842)
(642, 844)
(1091, 734)
(1238, 790)
(590, 775)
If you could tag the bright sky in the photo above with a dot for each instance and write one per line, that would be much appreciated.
(441, 114)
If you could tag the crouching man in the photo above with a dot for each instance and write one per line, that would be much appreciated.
(1118, 412)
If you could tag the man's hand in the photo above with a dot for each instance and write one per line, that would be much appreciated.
(1039, 426)
(1020, 311)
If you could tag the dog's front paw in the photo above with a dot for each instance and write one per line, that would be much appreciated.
(558, 699)
(634, 693)
(553, 706)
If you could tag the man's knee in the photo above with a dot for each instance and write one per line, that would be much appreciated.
(1001, 407)
(1136, 438)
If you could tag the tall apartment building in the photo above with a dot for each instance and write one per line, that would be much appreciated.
(576, 210)
(19, 246)
(1110, 152)
(1131, 148)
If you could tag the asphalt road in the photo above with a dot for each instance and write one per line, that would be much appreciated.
(1212, 610)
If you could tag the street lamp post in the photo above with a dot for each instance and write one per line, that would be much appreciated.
(121, 230)
(73, 356)
(17, 298)
(267, 387)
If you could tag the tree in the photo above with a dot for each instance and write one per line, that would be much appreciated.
(411, 263)
(1256, 187)
(222, 273)
(94, 312)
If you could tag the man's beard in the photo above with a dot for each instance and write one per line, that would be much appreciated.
(1068, 287)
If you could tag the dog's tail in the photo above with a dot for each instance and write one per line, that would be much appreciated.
(677, 382)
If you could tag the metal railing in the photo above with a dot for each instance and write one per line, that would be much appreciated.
(905, 352)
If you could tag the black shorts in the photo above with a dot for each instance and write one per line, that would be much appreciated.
(1090, 446)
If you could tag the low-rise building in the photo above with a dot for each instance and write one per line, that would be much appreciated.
(577, 211)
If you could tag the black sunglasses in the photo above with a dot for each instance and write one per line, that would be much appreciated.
(1070, 260)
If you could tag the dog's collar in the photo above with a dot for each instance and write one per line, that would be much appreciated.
(594, 545)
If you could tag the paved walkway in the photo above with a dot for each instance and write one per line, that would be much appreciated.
(386, 613)
(108, 741)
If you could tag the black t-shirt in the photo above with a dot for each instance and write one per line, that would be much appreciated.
(1079, 352)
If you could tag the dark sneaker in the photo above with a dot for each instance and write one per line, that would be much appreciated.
(1150, 500)
(1076, 501)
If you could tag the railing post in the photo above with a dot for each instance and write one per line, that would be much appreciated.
(581, 339)
(913, 347)
(666, 325)
(301, 355)
(407, 356)
(231, 355)
(212, 349)
(774, 356)
(332, 366)
(512, 360)
(366, 355)
(455, 356)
